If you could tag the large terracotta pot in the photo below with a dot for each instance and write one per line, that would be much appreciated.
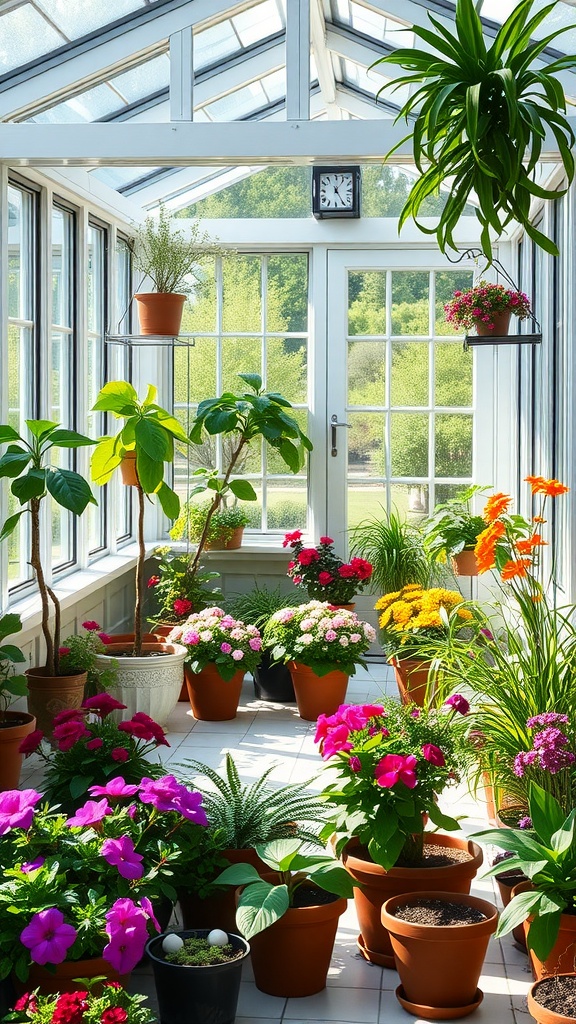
(160, 312)
(148, 684)
(317, 695)
(48, 695)
(439, 967)
(292, 957)
(379, 885)
(128, 469)
(233, 542)
(218, 910)
(562, 957)
(212, 699)
(501, 323)
(14, 727)
(61, 979)
(411, 679)
(465, 564)
(541, 1014)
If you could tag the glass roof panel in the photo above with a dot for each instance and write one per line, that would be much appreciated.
(77, 19)
(88, 106)
(143, 79)
(275, 85)
(24, 36)
(214, 43)
(257, 22)
(238, 104)
(118, 176)
(370, 82)
(372, 23)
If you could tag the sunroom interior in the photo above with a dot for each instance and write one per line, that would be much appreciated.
(218, 113)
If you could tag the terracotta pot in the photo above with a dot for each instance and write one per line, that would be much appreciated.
(212, 699)
(234, 542)
(160, 312)
(218, 910)
(379, 885)
(562, 957)
(148, 684)
(48, 695)
(540, 1013)
(317, 695)
(128, 470)
(292, 957)
(163, 630)
(501, 323)
(465, 564)
(439, 967)
(411, 679)
(14, 727)
(347, 607)
(61, 978)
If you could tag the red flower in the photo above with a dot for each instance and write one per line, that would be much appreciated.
(308, 555)
(362, 568)
(144, 728)
(31, 742)
(63, 651)
(105, 638)
(153, 581)
(346, 571)
(325, 578)
(91, 625)
(182, 606)
(114, 1015)
(291, 538)
(103, 704)
(27, 1002)
(70, 715)
(434, 755)
(119, 753)
(69, 733)
(395, 768)
(70, 1008)
(94, 744)
(326, 540)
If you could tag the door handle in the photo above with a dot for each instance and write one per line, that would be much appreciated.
(334, 424)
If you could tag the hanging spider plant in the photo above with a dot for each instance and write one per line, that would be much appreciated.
(480, 120)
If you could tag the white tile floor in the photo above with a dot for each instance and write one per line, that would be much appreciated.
(357, 992)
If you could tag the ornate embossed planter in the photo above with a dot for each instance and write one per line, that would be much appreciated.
(48, 695)
(149, 684)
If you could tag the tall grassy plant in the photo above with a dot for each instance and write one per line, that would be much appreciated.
(168, 255)
(396, 550)
(482, 114)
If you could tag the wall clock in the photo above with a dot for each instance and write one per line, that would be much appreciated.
(335, 192)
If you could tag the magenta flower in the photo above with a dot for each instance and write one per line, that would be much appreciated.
(31, 742)
(117, 787)
(458, 703)
(69, 733)
(31, 865)
(255, 643)
(434, 755)
(336, 742)
(102, 704)
(121, 854)
(48, 937)
(144, 728)
(17, 809)
(547, 718)
(119, 754)
(70, 715)
(149, 911)
(395, 768)
(226, 648)
(90, 813)
(355, 764)
(126, 929)
(167, 794)
(91, 625)
(95, 744)
(525, 822)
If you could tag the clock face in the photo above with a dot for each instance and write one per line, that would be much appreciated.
(336, 190)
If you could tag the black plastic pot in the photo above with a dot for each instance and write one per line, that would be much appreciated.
(197, 995)
(273, 682)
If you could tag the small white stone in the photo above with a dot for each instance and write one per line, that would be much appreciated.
(172, 943)
(217, 937)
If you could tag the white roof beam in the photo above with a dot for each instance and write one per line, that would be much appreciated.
(182, 75)
(110, 51)
(326, 78)
(350, 46)
(361, 105)
(298, 60)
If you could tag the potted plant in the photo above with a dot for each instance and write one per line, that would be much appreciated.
(241, 817)
(322, 646)
(553, 1000)
(103, 1002)
(14, 725)
(474, 121)
(91, 748)
(544, 904)
(177, 591)
(27, 463)
(439, 941)
(395, 549)
(80, 888)
(272, 681)
(149, 433)
(224, 532)
(219, 651)
(285, 915)
(392, 762)
(452, 530)
(197, 975)
(324, 575)
(487, 307)
(410, 619)
(167, 255)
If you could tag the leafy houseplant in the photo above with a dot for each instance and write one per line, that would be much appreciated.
(177, 590)
(223, 523)
(319, 636)
(27, 462)
(14, 726)
(481, 116)
(324, 575)
(453, 528)
(78, 653)
(395, 549)
(112, 1005)
(486, 306)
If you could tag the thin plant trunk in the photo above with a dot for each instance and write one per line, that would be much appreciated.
(412, 851)
(137, 652)
(216, 502)
(52, 657)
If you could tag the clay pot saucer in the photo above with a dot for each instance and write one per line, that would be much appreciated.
(438, 1012)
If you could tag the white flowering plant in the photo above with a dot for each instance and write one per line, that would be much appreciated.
(320, 636)
(214, 638)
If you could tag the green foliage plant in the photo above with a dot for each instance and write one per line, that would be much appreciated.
(260, 603)
(177, 590)
(396, 550)
(547, 856)
(192, 519)
(453, 527)
(197, 952)
(27, 461)
(480, 115)
(112, 1004)
(168, 255)
(149, 431)
(252, 416)
(241, 816)
(262, 903)
(11, 685)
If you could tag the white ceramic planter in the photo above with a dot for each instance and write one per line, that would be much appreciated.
(148, 684)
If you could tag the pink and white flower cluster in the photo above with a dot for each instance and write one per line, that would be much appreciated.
(213, 637)
(317, 634)
(481, 303)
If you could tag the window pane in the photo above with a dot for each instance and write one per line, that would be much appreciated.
(365, 501)
(409, 444)
(200, 308)
(287, 300)
(286, 505)
(95, 370)
(62, 279)
(20, 248)
(20, 378)
(410, 373)
(366, 444)
(453, 373)
(366, 372)
(453, 443)
(240, 355)
(367, 302)
(242, 303)
(287, 368)
(410, 303)
(61, 372)
(122, 512)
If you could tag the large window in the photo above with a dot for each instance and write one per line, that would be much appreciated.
(251, 316)
(96, 318)
(119, 357)
(62, 371)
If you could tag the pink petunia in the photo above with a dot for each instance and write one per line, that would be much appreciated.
(394, 768)
(48, 937)
(433, 755)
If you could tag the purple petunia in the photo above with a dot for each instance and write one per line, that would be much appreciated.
(48, 937)
(92, 812)
(458, 703)
(121, 853)
(167, 794)
(17, 809)
(116, 787)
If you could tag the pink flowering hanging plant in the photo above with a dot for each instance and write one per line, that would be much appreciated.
(318, 570)
(82, 885)
(392, 762)
(317, 635)
(480, 304)
(214, 638)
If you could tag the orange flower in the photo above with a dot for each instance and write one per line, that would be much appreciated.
(486, 545)
(515, 568)
(539, 519)
(525, 547)
(495, 506)
(552, 488)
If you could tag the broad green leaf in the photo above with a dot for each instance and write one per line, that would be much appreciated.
(31, 485)
(517, 911)
(442, 820)
(253, 380)
(221, 421)
(16, 685)
(10, 524)
(79, 785)
(151, 396)
(546, 813)
(104, 460)
(150, 472)
(279, 853)
(171, 424)
(238, 874)
(151, 439)
(169, 501)
(14, 461)
(117, 397)
(69, 439)
(260, 906)
(7, 433)
(70, 490)
(333, 878)
(563, 839)
(9, 624)
(543, 933)
(41, 428)
(387, 854)
(11, 652)
(243, 490)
